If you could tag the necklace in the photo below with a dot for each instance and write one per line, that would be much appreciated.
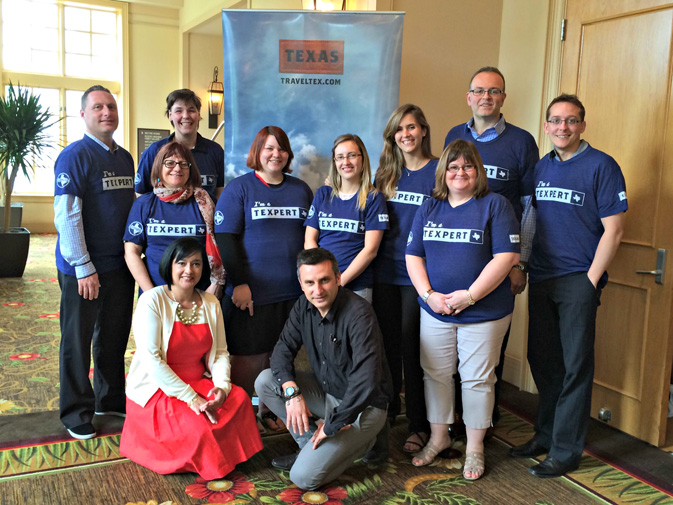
(180, 312)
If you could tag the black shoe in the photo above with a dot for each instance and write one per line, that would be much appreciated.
(375, 458)
(530, 449)
(552, 467)
(284, 462)
(378, 455)
(82, 432)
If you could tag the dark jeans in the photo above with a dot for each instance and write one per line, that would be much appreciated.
(101, 327)
(562, 328)
(399, 317)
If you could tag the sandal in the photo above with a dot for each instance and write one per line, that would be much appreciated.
(418, 446)
(427, 455)
(273, 425)
(474, 465)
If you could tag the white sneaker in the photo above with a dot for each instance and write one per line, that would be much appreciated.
(82, 432)
(110, 413)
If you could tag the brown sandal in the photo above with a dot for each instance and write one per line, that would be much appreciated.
(427, 455)
(474, 464)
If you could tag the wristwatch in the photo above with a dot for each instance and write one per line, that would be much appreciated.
(470, 300)
(291, 392)
(426, 295)
(521, 267)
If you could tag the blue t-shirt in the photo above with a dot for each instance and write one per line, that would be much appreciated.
(571, 198)
(154, 225)
(270, 221)
(509, 160)
(342, 225)
(209, 158)
(104, 182)
(458, 243)
(413, 188)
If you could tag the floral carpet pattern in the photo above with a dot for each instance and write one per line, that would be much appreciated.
(62, 470)
(396, 483)
(30, 334)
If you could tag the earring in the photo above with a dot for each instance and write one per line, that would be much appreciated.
(158, 179)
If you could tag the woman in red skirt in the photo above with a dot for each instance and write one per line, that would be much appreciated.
(182, 412)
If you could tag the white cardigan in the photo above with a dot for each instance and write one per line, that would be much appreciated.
(152, 326)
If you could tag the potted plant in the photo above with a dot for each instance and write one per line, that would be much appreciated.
(23, 126)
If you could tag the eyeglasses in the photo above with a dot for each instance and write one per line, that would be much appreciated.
(351, 156)
(490, 91)
(571, 121)
(466, 168)
(172, 163)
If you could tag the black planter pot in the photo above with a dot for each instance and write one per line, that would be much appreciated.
(15, 215)
(14, 252)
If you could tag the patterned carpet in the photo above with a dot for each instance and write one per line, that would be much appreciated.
(92, 472)
(30, 333)
(58, 470)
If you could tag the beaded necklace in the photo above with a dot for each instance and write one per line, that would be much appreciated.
(180, 312)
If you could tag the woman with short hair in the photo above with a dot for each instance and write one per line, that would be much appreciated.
(259, 230)
(462, 245)
(182, 412)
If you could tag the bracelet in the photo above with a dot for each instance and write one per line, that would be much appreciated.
(470, 300)
(521, 267)
(193, 400)
(427, 294)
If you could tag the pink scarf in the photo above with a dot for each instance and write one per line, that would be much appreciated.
(207, 209)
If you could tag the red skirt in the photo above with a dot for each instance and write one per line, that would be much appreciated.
(166, 435)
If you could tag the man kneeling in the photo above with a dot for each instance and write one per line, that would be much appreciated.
(336, 411)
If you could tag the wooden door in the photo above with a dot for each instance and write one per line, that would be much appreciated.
(617, 58)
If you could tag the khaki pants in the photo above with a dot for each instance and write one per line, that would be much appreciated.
(477, 346)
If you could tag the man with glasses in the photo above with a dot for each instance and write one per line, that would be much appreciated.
(183, 110)
(92, 198)
(509, 155)
(580, 197)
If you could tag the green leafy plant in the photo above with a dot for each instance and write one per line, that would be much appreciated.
(23, 125)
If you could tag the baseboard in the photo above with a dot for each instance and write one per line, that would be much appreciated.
(511, 372)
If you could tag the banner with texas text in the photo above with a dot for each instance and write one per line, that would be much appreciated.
(316, 75)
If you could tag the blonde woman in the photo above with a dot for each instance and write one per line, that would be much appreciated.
(406, 177)
(348, 217)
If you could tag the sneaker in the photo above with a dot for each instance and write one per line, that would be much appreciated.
(82, 432)
(110, 413)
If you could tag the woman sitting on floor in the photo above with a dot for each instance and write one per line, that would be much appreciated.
(182, 412)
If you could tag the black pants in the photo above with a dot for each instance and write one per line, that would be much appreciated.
(562, 328)
(101, 326)
(399, 317)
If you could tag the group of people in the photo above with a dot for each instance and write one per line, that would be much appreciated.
(404, 282)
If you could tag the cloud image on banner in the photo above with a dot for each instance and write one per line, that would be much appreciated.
(316, 75)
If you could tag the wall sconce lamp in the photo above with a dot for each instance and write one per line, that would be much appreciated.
(215, 100)
(324, 5)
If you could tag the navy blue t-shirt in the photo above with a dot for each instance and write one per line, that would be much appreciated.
(104, 182)
(571, 198)
(154, 225)
(270, 221)
(342, 225)
(209, 158)
(413, 188)
(509, 160)
(458, 243)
